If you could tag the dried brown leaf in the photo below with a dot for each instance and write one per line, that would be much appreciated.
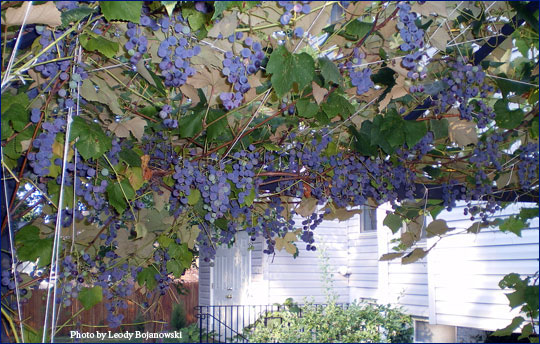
(318, 92)
(46, 14)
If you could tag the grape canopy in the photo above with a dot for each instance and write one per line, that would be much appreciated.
(139, 135)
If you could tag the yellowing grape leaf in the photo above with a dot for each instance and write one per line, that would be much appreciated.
(225, 27)
(46, 14)
(318, 92)
(135, 126)
(440, 39)
(415, 255)
(307, 206)
(341, 214)
(188, 235)
(210, 81)
(390, 256)
(462, 132)
(430, 7)
(287, 242)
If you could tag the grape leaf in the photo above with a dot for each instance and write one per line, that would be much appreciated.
(116, 196)
(287, 242)
(414, 256)
(225, 27)
(46, 14)
(437, 227)
(90, 297)
(307, 207)
(287, 69)
(306, 108)
(188, 235)
(93, 142)
(508, 330)
(505, 118)
(190, 125)
(390, 256)
(512, 224)
(135, 126)
(439, 127)
(174, 267)
(414, 132)
(100, 44)
(216, 129)
(462, 132)
(146, 276)
(358, 28)
(122, 10)
(329, 71)
(31, 246)
(194, 196)
(393, 222)
(337, 105)
(75, 14)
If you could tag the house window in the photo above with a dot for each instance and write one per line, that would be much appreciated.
(368, 219)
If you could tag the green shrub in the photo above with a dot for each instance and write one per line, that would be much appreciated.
(178, 317)
(359, 322)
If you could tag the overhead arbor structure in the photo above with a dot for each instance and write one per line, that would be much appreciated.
(138, 135)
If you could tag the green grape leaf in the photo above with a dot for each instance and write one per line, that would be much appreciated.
(414, 132)
(194, 196)
(219, 126)
(306, 108)
(17, 115)
(190, 125)
(116, 195)
(93, 142)
(90, 297)
(508, 330)
(30, 246)
(358, 28)
(512, 224)
(146, 277)
(528, 213)
(99, 44)
(122, 10)
(505, 118)
(248, 200)
(337, 105)
(131, 157)
(54, 193)
(287, 69)
(164, 241)
(174, 267)
(181, 253)
(329, 71)
(393, 221)
(76, 14)
(439, 127)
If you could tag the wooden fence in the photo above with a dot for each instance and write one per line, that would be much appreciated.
(95, 319)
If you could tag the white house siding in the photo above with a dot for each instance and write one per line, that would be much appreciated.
(301, 278)
(403, 285)
(465, 270)
(363, 262)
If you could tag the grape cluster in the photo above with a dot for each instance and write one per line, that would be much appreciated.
(464, 83)
(528, 165)
(360, 78)
(293, 8)
(137, 43)
(175, 52)
(41, 161)
(238, 68)
(414, 41)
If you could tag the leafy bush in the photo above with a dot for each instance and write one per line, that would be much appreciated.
(178, 317)
(333, 323)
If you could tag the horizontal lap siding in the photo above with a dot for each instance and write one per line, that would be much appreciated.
(468, 267)
(402, 285)
(301, 278)
(363, 256)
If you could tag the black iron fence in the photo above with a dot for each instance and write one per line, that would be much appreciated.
(231, 323)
